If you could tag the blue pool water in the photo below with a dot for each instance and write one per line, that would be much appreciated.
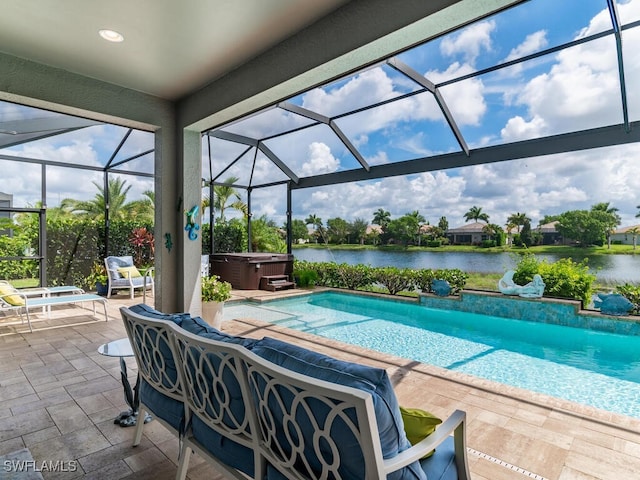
(593, 368)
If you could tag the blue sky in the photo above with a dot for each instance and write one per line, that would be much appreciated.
(570, 90)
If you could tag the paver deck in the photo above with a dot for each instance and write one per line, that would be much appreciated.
(58, 398)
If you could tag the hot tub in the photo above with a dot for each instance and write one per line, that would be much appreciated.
(244, 270)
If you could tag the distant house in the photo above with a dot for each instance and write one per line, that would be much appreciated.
(550, 236)
(469, 234)
(6, 201)
(375, 229)
(624, 237)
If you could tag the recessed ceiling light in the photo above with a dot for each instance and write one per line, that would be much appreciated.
(111, 36)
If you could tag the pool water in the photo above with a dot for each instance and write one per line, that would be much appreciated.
(593, 368)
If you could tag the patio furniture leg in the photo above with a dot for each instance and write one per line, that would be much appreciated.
(183, 464)
(137, 436)
(28, 319)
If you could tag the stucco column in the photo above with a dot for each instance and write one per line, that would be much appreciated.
(190, 250)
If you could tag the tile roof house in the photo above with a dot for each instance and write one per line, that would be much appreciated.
(550, 236)
(625, 235)
(469, 234)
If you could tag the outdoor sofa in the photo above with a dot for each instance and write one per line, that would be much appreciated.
(268, 409)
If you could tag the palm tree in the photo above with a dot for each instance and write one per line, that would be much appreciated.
(475, 214)
(635, 231)
(381, 217)
(492, 231)
(316, 223)
(95, 208)
(221, 196)
(143, 208)
(419, 219)
(517, 220)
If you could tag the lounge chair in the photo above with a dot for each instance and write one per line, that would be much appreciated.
(42, 291)
(12, 299)
(124, 274)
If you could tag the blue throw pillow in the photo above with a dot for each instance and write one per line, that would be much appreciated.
(370, 379)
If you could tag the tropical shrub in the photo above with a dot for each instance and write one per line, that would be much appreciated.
(631, 293)
(563, 278)
(305, 278)
(354, 277)
(395, 279)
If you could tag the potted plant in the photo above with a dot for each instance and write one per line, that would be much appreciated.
(98, 277)
(214, 293)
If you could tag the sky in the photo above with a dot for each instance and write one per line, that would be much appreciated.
(574, 89)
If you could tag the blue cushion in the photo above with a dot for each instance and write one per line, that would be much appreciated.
(147, 311)
(169, 376)
(166, 408)
(226, 450)
(198, 326)
(442, 464)
(370, 379)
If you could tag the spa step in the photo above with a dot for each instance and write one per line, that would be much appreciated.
(276, 282)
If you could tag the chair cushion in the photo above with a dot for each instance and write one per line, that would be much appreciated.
(226, 450)
(114, 263)
(162, 406)
(163, 372)
(147, 311)
(15, 300)
(129, 272)
(370, 379)
(441, 465)
(221, 447)
(198, 326)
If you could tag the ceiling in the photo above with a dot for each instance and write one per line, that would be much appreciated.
(171, 48)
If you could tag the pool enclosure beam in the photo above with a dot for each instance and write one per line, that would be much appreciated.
(563, 143)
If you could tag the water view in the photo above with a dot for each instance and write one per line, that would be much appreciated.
(609, 268)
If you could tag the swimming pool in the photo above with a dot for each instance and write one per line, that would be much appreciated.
(589, 367)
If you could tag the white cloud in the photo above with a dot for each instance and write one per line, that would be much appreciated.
(533, 42)
(464, 99)
(517, 128)
(580, 90)
(470, 42)
(319, 160)
(377, 85)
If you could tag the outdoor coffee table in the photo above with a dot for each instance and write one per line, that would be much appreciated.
(122, 349)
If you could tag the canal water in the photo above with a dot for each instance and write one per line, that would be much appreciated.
(607, 268)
